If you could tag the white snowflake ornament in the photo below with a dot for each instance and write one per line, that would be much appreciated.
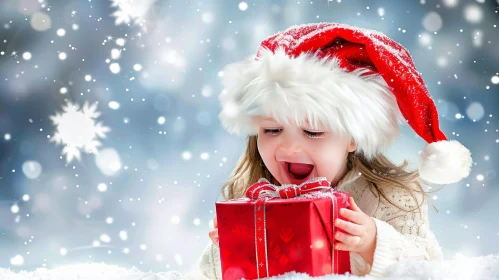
(77, 129)
(128, 10)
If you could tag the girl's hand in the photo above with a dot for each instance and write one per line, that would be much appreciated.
(360, 236)
(214, 232)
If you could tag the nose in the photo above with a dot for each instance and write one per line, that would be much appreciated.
(289, 146)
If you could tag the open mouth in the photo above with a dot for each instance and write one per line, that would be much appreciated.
(298, 172)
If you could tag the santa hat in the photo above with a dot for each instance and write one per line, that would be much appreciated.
(357, 82)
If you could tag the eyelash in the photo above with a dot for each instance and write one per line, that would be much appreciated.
(307, 133)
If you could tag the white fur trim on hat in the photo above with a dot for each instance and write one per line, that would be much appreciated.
(307, 87)
(444, 162)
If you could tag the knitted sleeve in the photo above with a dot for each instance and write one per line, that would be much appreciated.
(209, 262)
(402, 235)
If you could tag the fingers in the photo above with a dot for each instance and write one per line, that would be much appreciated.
(353, 205)
(214, 232)
(340, 246)
(353, 229)
(354, 216)
(348, 240)
(357, 230)
(214, 236)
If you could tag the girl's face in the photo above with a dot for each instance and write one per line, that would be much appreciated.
(295, 154)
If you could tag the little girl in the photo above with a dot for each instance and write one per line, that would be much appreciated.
(324, 100)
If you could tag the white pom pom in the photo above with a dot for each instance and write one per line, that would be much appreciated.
(444, 162)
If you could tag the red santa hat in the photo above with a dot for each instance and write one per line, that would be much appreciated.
(355, 81)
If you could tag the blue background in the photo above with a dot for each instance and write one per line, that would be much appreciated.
(162, 197)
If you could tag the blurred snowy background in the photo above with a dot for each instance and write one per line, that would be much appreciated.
(137, 81)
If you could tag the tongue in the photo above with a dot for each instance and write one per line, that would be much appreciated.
(300, 169)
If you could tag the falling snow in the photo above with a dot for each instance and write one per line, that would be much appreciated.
(153, 69)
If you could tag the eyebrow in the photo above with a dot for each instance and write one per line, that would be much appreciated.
(269, 119)
(273, 120)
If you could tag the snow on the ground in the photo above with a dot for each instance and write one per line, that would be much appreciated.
(458, 269)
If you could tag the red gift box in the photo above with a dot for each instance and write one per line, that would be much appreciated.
(281, 229)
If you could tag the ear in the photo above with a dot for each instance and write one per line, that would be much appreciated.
(352, 146)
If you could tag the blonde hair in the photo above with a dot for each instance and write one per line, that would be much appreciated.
(379, 172)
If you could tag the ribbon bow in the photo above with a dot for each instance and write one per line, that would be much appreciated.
(263, 188)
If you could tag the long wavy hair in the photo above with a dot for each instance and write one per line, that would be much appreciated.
(379, 172)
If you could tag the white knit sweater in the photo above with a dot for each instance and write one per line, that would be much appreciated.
(400, 235)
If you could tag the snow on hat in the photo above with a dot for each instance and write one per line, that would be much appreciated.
(355, 81)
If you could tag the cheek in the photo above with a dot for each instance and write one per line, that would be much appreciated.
(328, 160)
(329, 169)
(266, 149)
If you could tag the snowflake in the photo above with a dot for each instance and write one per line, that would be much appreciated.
(129, 10)
(77, 130)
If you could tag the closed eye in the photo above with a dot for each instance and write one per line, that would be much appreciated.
(313, 134)
(310, 134)
(272, 131)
